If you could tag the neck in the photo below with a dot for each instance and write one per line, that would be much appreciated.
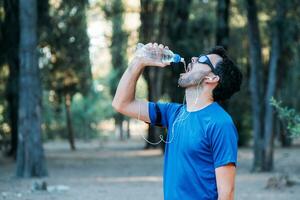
(196, 100)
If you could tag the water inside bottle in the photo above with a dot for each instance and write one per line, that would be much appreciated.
(167, 57)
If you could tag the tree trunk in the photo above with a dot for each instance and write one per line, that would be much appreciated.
(269, 117)
(255, 83)
(153, 75)
(118, 50)
(11, 34)
(119, 125)
(284, 138)
(270, 90)
(68, 100)
(173, 29)
(263, 126)
(222, 33)
(30, 156)
(128, 128)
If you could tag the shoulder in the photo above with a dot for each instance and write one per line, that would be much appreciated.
(219, 116)
(220, 121)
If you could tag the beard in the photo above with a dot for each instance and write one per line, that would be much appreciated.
(192, 79)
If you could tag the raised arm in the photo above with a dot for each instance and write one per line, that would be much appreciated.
(124, 100)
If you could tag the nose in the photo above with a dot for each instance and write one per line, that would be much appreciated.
(194, 59)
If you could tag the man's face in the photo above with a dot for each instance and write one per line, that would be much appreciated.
(197, 72)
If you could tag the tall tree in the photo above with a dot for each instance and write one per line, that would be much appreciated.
(69, 70)
(222, 30)
(175, 29)
(289, 74)
(276, 49)
(262, 111)
(255, 81)
(114, 11)
(30, 156)
(153, 76)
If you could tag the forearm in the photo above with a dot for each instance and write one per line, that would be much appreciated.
(225, 176)
(125, 92)
(226, 195)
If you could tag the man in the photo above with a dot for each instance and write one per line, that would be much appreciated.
(201, 146)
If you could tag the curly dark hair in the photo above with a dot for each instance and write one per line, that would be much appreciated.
(230, 76)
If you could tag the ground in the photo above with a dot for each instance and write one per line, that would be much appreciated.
(124, 171)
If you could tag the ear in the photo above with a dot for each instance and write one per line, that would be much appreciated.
(212, 79)
(216, 78)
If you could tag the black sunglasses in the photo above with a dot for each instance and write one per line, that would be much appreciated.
(203, 59)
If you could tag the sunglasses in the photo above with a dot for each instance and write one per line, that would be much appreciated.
(203, 59)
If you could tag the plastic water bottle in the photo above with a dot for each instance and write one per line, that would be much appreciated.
(166, 56)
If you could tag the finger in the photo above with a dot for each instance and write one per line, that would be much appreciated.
(155, 45)
(166, 47)
(161, 46)
(148, 45)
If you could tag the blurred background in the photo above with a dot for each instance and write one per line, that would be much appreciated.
(61, 61)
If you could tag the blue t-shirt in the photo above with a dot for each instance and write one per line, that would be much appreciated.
(197, 143)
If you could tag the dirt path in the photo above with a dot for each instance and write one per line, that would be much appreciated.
(123, 171)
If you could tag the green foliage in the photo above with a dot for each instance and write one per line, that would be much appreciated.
(53, 118)
(66, 63)
(288, 115)
(87, 112)
(114, 11)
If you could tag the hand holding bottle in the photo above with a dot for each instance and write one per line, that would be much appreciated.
(155, 55)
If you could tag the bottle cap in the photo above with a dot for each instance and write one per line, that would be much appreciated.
(176, 58)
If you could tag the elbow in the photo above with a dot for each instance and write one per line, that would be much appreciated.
(117, 107)
(120, 106)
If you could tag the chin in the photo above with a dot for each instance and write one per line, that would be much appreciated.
(183, 84)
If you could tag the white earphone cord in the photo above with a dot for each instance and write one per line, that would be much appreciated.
(178, 119)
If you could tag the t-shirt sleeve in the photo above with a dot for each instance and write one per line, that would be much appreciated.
(224, 143)
(159, 113)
